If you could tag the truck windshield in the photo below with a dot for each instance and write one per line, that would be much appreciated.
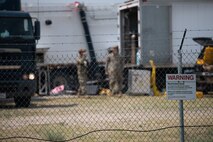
(15, 28)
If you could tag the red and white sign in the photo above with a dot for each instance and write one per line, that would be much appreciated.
(181, 86)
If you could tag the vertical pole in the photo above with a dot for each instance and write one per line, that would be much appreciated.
(181, 113)
(48, 79)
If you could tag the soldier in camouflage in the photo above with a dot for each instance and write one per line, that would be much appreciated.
(82, 72)
(114, 69)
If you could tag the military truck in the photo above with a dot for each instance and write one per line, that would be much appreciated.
(18, 38)
(67, 27)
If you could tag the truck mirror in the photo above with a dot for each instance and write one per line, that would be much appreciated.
(37, 30)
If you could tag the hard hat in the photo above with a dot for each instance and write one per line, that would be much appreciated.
(109, 49)
(114, 47)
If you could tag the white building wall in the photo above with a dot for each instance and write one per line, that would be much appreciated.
(66, 35)
(197, 18)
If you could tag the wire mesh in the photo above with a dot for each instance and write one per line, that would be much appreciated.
(39, 92)
(141, 113)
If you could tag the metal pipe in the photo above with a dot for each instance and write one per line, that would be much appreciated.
(181, 113)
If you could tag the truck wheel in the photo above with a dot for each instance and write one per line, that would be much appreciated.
(23, 101)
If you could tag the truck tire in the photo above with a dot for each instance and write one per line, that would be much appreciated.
(23, 101)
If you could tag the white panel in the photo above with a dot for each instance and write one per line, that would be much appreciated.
(139, 82)
(197, 18)
(66, 35)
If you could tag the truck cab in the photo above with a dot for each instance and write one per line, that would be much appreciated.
(17, 55)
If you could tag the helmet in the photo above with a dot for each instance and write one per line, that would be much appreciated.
(81, 50)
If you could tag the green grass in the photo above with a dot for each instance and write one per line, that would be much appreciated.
(53, 134)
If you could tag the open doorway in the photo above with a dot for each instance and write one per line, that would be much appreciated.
(129, 34)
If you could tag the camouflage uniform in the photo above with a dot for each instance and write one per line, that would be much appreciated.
(114, 69)
(82, 74)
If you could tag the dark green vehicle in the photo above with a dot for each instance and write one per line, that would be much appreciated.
(18, 38)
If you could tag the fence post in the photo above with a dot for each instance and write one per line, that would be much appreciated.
(181, 101)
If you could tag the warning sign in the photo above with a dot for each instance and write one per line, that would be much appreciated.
(181, 86)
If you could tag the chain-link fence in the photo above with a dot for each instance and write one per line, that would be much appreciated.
(141, 112)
